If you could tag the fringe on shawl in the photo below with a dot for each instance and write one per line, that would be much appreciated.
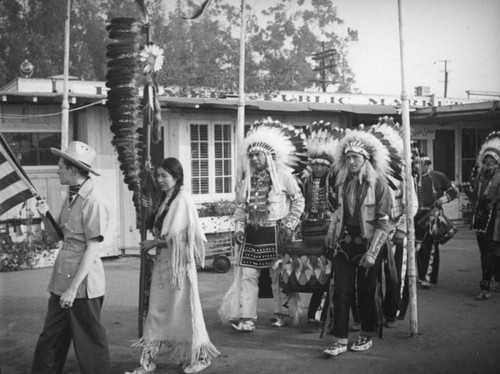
(182, 258)
(229, 309)
(295, 307)
(181, 353)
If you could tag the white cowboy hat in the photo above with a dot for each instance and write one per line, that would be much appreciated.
(78, 153)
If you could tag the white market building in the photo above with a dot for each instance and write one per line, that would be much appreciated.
(200, 132)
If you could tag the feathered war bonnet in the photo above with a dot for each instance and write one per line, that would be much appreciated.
(389, 134)
(371, 147)
(283, 146)
(490, 147)
(321, 142)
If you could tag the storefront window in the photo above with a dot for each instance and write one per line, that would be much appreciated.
(33, 149)
(444, 152)
(211, 158)
(199, 159)
(472, 139)
(223, 162)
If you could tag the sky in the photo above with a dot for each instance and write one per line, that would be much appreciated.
(465, 33)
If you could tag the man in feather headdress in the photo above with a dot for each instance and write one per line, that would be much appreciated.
(484, 191)
(358, 231)
(317, 185)
(270, 203)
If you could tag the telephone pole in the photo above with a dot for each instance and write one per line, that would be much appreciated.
(445, 77)
(326, 63)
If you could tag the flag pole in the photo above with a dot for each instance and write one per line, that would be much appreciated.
(405, 115)
(240, 127)
(27, 182)
(65, 101)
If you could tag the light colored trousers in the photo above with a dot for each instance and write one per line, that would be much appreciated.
(250, 292)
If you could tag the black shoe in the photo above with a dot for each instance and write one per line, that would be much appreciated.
(363, 343)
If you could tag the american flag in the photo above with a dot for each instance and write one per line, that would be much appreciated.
(15, 186)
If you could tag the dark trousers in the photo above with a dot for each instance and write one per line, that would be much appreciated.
(490, 263)
(428, 253)
(347, 273)
(314, 304)
(393, 299)
(80, 324)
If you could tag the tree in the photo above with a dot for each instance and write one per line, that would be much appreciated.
(279, 47)
(201, 53)
(34, 30)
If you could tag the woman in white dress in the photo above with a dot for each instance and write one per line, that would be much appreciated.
(175, 317)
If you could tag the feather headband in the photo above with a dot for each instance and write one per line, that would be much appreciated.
(490, 147)
(365, 143)
(321, 142)
(282, 142)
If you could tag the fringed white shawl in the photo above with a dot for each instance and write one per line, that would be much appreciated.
(182, 231)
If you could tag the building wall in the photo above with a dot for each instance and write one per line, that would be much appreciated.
(91, 125)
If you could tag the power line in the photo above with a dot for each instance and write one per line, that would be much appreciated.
(15, 116)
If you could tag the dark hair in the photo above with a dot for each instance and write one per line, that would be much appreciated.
(174, 167)
(81, 171)
(426, 162)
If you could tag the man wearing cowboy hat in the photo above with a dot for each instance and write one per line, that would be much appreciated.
(76, 285)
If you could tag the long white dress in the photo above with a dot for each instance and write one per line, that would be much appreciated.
(175, 317)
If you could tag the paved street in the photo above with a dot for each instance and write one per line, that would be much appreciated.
(457, 333)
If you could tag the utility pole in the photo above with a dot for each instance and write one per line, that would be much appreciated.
(326, 62)
(65, 102)
(445, 77)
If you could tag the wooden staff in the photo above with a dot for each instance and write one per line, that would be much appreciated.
(405, 114)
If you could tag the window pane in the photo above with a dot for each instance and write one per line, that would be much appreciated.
(467, 166)
(218, 185)
(444, 152)
(195, 152)
(199, 158)
(481, 137)
(469, 142)
(218, 168)
(227, 185)
(227, 132)
(33, 149)
(227, 150)
(204, 168)
(222, 154)
(218, 150)
(194, 132)
(195, 168)
(195, 186)
(218, 133)
(204, 150)
(204, 186)
(203, 132)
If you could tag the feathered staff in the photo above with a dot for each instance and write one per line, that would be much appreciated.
(135, 61)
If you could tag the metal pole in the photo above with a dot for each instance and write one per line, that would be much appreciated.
(240, 127)
(405, 115)
(65, 102)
